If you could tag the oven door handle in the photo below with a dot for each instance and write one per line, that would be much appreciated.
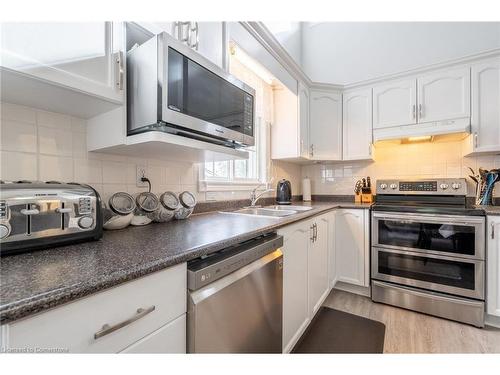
(426, 255)
(417, 219)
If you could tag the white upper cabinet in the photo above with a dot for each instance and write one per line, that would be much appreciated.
(304, 96)
(205, 37)
(485, 122)
(444, 95)
(325, 126)
(211, 43)
(81, 56)
(394, 103)
(357, 125)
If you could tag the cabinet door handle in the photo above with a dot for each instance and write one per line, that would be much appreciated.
(370, 149)
(492, 231)
(315, 232)
(476, 143)
(414, 111)
(107, 329)
(312, 233)
(119, 69)
(193, 30)
(420, 111)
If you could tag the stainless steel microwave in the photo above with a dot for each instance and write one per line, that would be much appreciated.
(172, 88)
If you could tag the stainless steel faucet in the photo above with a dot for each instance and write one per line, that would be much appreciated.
(254, 197)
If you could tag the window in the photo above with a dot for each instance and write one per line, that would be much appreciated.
(240, 174)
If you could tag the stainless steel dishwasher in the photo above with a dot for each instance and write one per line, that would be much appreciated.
(235, 299)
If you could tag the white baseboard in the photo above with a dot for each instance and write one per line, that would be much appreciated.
(356, 289)
(491, 320)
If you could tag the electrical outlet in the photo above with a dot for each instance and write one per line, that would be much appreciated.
(140, 172)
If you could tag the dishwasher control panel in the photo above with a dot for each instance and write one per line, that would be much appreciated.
(204, 271)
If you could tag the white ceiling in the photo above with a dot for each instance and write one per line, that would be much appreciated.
(348, 52)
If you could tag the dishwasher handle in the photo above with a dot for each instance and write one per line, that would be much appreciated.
(204, 271)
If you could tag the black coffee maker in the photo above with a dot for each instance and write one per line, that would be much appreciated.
(284, 192)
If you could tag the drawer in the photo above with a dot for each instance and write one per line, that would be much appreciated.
(170, 338)
(72, 327)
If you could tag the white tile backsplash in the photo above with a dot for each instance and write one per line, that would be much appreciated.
(424, 160)
(18, 166)
(55, 141)
(41, 145)
(53, 120)
(18, 136)
(18, 113)
(56, 168)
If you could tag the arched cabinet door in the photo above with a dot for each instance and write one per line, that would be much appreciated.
(443, 95)
(357, 125)
(395, 104)
(325, 126)
(485, 122)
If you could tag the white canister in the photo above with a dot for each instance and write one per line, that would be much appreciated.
(306, 189)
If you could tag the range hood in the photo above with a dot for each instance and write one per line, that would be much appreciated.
(456, 128)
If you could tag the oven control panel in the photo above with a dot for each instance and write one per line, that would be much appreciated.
(443, 186)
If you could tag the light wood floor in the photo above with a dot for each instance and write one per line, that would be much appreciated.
(411, 332)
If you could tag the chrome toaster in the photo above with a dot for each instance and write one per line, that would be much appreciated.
(37, 215)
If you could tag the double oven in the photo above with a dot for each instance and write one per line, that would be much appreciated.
(428, 250)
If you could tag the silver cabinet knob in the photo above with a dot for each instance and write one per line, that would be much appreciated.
(86, 222)
(383, 186)
(444, 186)
(4, 231)
(394, 186)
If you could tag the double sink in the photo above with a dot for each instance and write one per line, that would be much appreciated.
(271, 211)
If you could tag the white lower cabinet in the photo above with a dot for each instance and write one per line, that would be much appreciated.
(112, 320)
(352, 247)
(171, 338)
(295, 305)
(317, 264)
(305, 274)
(493, 267)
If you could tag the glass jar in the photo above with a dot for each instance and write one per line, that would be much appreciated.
(166, 210)
(147, 203)
(187, 202)
(120, 211)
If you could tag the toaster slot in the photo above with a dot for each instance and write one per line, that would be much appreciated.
(48, 217)
(18, 221)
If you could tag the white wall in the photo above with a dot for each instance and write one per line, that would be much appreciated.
(348, 52)
(289, 34)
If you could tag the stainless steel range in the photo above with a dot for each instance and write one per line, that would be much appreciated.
(428, 249)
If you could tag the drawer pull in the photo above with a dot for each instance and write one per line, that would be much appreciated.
(107, 329)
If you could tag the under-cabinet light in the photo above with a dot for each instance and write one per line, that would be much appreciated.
(251, 64)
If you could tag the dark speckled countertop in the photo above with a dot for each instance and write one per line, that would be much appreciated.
(490, 210)
(33, 282)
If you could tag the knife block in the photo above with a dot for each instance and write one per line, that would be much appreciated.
(357, 198)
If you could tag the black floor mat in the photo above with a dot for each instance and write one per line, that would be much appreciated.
(333, 331)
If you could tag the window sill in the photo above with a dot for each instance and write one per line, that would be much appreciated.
(204, 186)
